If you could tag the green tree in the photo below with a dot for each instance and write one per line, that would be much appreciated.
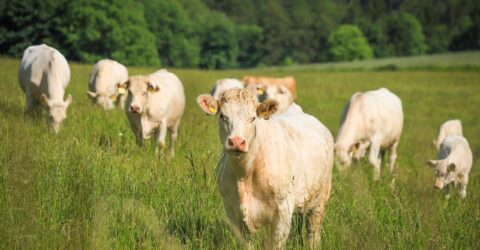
(348, 43)
(176, 43)
(116, 29)
(250, 51)
(28, 22)
(219, 48)
(404, 34)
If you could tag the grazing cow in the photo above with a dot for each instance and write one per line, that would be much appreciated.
(453, 164)
(283, 90)
(43, 75)
(271, 166)
(224, 84)
(371, 119)
(450, 127)
(154, 104)
(102, 86)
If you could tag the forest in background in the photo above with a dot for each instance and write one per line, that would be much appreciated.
(220, 34)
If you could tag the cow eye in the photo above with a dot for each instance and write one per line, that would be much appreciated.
(223, 117)
(253, 119)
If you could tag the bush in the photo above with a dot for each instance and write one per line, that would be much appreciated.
(117, 30)
(176, 44)
(404, 35)
(219, 48)
(250, 39)
(348, 43)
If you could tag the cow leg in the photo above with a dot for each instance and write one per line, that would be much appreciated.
(374, 159)
(393, 156)
(462, 187)
(315, 218)
(173, 136)
(280, 228)
(161, 136)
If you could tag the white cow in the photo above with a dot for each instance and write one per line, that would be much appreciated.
(102, 85)
(270, 166)
(283, 90)
(450, 127)
(453, 164)
(43, 75)
(222, 85)
(371, 119)
(154, 104)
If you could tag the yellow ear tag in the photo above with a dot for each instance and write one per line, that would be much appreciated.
(264, 114)
(43, 102)
(121, 90)
(151, 89)
(260, 91)
(212, 109)
(113, 97)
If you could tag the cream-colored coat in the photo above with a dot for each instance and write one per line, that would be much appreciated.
(102, 84)
(453, 164)
(43, 75)
(371, 119)
(283, 90)
(160, 101)
(222, 85)
(451, 127)
(287, 166)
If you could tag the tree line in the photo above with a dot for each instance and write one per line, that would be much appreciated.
(219, 34)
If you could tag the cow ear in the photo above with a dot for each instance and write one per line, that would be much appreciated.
(44, 100)
(432, 163)
(267, 108)
(152, 87)
(91, 94)
(122, 87)
(208, 104)
(69, 100)
(451, 167)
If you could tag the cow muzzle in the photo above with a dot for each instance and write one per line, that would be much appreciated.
(134, 109)
(237, 144)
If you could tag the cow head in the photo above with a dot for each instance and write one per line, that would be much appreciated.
(444, 172)
(238, 111)
(266, 91)
(139, 88)
(56, 111)
(106, 101)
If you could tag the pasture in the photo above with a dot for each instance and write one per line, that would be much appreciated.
(92, 187)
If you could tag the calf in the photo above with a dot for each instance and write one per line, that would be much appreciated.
(102, 86)
(270, 166)
(451, 127)
(283, 90)
(453, 164)
(154, 104)
(225, 84)
(43, 75)
(371, 119)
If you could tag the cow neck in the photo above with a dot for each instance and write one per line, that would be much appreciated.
(55, 87)
(347, 136)
(243, 164)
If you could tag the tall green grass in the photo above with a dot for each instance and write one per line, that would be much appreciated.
(92, 187)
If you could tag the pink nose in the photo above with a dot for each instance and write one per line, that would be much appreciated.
(134, 109)
(237, 143)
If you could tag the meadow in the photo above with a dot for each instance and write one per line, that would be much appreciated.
(92, 187)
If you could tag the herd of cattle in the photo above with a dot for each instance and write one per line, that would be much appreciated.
(276, 159)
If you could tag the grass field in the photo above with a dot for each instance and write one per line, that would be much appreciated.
(92, 187)
(451, 61)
